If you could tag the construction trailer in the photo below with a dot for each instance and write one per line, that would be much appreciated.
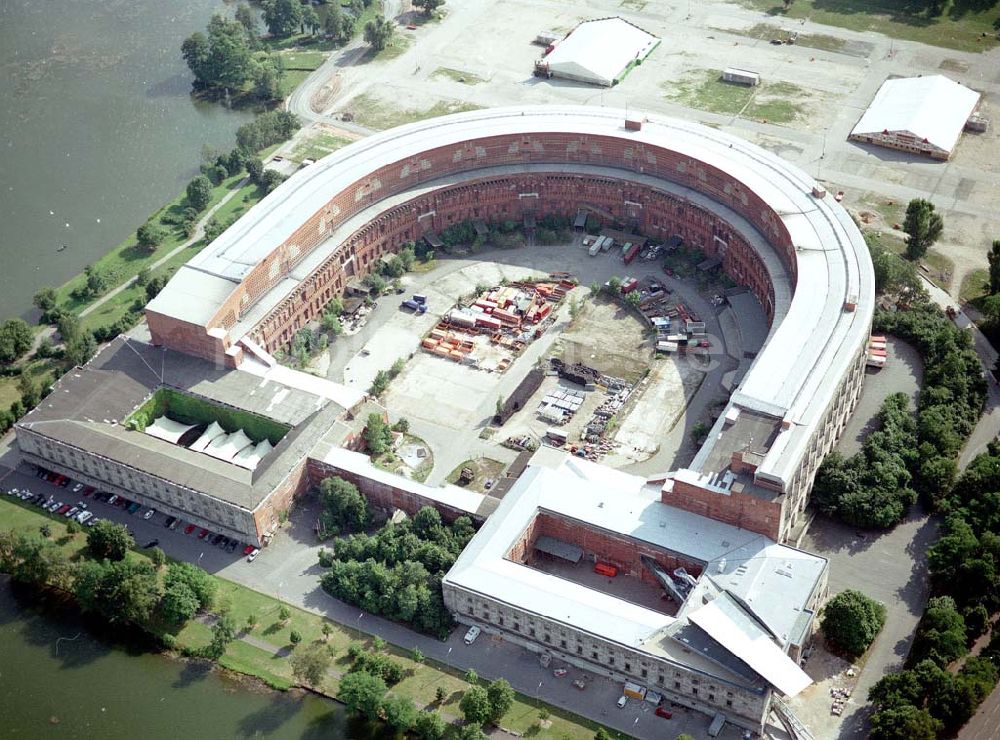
(741, 76)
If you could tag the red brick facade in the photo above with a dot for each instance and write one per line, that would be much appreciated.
(738, 509)
(642, 207)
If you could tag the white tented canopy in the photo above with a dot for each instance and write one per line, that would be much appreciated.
(250, 457)
(226, 447)
(598, 51)
(208, 436)
(167, 429)
(932, 108)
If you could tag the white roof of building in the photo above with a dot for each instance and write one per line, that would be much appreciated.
(752, 646)
(226, 446)
(934, 108)
(167, 429)
(600, 50)
(615, 502)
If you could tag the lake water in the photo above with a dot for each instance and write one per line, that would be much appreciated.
(97, 129)
(80, 687)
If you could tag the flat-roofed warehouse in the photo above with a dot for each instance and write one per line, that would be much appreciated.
(925, 115)
(600, 52)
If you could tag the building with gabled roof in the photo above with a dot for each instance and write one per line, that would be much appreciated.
(600, 51)
(924, 115)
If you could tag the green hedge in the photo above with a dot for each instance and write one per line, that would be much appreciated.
(188, 409)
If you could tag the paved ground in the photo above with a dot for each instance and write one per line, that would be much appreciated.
(902, 373)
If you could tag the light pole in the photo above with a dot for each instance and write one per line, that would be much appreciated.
(357, 625)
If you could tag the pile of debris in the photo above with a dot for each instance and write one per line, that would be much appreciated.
(560, 404)
(520, 442)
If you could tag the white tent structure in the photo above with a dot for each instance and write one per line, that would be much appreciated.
(600, 52)
(250, 457)
(214, 431)
(924, 115)
(225, 447)
(167, 429)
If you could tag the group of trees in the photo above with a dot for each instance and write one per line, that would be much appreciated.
(123, 590)
(397, 571)
(384, 377)
(377, 434)
(15, 339)
(927, 699)
(486, 705)
(873, 488)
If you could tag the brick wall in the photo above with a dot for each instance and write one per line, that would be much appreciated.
(738, 509)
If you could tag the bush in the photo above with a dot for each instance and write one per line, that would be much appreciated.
(851, 621)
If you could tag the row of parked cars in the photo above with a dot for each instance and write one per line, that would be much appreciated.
(82, 514)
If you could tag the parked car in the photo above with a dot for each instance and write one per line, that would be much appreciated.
(55, 506)
(222, 543)
(113, 500)
(175, 523)
(189, 529)
(248, 549)
(664, 712)
(77, 488)
(134, 507)
(231, 547)
(472, 634)
(71, 511)
(169, 521)
(622, 701)
(151, 544)
(84, 517)
(215, 540)
(203, 534)
(149, 514)
(63, 481)
(92, 522)
(253, 555)
(41, 473)
(87, 490)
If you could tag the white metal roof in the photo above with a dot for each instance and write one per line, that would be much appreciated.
(753, 647)
(250, 457)
(226, 447)
(934, 108)
(213, 432)
(600, 50)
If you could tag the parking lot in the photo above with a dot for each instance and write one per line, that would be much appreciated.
(184, 542)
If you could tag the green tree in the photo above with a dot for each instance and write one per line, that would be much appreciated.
(122, 591)
(282, 17)
(428, 6)
(107, 540)
(80, 349)
(471, 731)
(251, 621)
(896, 690)
(223, 633)
(345, 507)
(178, 604)
(295, 637)
(429, 726)
(326, 628)
(993, 256)
(923, 226)
(15, 339)
(501, 697)
(284, 614)
(157, 557)
(196, 579)
(149, 236)
(399, 711)
(440, 694)
(97, 281)
(602, 734)
(310, 664)
(851, 621)
(247, 18)
(378, 33)
(199, 193)
(310, 20)
(475, 705)
(45, 299)
(378, 435)
(614, 284)
(362, 693)
(31, 392)
(905, 722)
(941, 634)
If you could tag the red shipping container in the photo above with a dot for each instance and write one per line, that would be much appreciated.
(605, 569)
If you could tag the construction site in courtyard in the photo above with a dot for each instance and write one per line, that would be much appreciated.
(492, 329)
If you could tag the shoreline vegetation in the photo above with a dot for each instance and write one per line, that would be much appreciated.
(246, 632)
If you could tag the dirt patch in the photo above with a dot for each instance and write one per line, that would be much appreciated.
(485, 471)
(609, 338)
(325, 94)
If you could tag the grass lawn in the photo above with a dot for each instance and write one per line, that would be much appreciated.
(484, 469)
(961, 25)
(768, 31)
(975, 285)
(373, 113)
(292, 79)
(706, 90)
(40, 370)
(466, 78)
(317, 146)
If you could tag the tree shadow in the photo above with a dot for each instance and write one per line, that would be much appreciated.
(268, 719)
(193, 672)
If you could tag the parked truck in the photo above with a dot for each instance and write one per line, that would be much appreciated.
(595, 248)
(630, 252)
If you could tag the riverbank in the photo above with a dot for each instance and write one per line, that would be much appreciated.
(263, 647)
